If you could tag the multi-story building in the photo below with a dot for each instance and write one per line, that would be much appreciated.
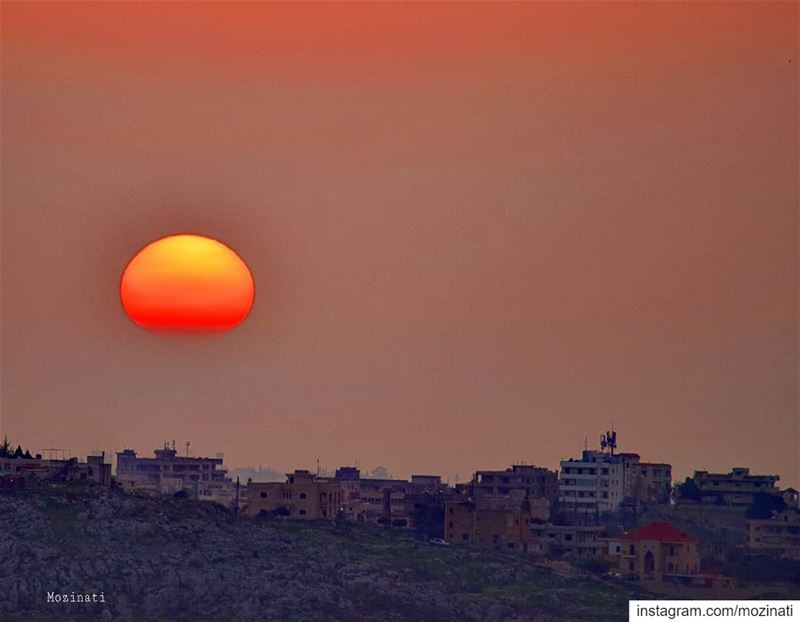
(169, 473)
(500, 523)
(95, 469)
(650, 482)
(601, 481)
(537, 482)
(738, 487)
(381, 501)
(576, 541)
(658, 551)
(779, 534)
(302, 495)
(389, 502)
(597, 482)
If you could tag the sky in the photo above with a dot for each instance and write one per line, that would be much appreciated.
(479, 233)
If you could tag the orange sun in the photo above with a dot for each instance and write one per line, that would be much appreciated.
(187, 283)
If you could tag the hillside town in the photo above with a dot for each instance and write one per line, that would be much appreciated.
(602, 509)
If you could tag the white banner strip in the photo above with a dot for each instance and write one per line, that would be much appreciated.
(708, 610)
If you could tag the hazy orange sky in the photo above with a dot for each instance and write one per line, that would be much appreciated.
(479, 232)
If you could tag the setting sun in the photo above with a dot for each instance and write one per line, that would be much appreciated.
(187, 283)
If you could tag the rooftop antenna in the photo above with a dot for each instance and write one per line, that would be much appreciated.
(55, 450)
(187, 448)
(609, 440)
(317, 467)
(173, 445)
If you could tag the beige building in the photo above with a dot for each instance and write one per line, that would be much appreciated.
(537, 482)
(738, 487)
(303, 495)
(502, 523)
(169, 473)
(779, 534)
(657, 551)
(389, 502)
(650, 483)
(575, 541)
(95, 469)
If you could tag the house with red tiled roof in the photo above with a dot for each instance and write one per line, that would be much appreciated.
(658, 551)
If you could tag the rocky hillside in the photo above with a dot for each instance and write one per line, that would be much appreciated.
(177, 559)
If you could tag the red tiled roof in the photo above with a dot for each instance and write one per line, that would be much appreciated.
(660, 531)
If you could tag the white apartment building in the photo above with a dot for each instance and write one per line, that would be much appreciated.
(596, 482)
(169, 473)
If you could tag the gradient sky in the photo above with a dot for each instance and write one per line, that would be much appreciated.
(480, 233)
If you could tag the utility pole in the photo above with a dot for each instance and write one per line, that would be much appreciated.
(475, 513)
(387, 507)
(236, 509)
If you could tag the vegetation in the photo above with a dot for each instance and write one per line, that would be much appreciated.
(233, 567)
(429, 521)
(688, 490)
(748, 568)
(7, 450)
(764, 505)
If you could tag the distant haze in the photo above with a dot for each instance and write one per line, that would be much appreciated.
(480, 233)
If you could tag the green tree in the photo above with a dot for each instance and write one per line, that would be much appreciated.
(764, 505)
(428, 520)
(688, 491)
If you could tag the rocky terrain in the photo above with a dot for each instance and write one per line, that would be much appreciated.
(177, 559)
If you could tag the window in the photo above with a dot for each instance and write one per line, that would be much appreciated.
(302, 512)
(303, 495)
(263, 495)
(632, 550)
(465, 537)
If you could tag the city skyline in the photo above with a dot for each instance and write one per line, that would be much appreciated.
(186, 449)
(478, 232)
